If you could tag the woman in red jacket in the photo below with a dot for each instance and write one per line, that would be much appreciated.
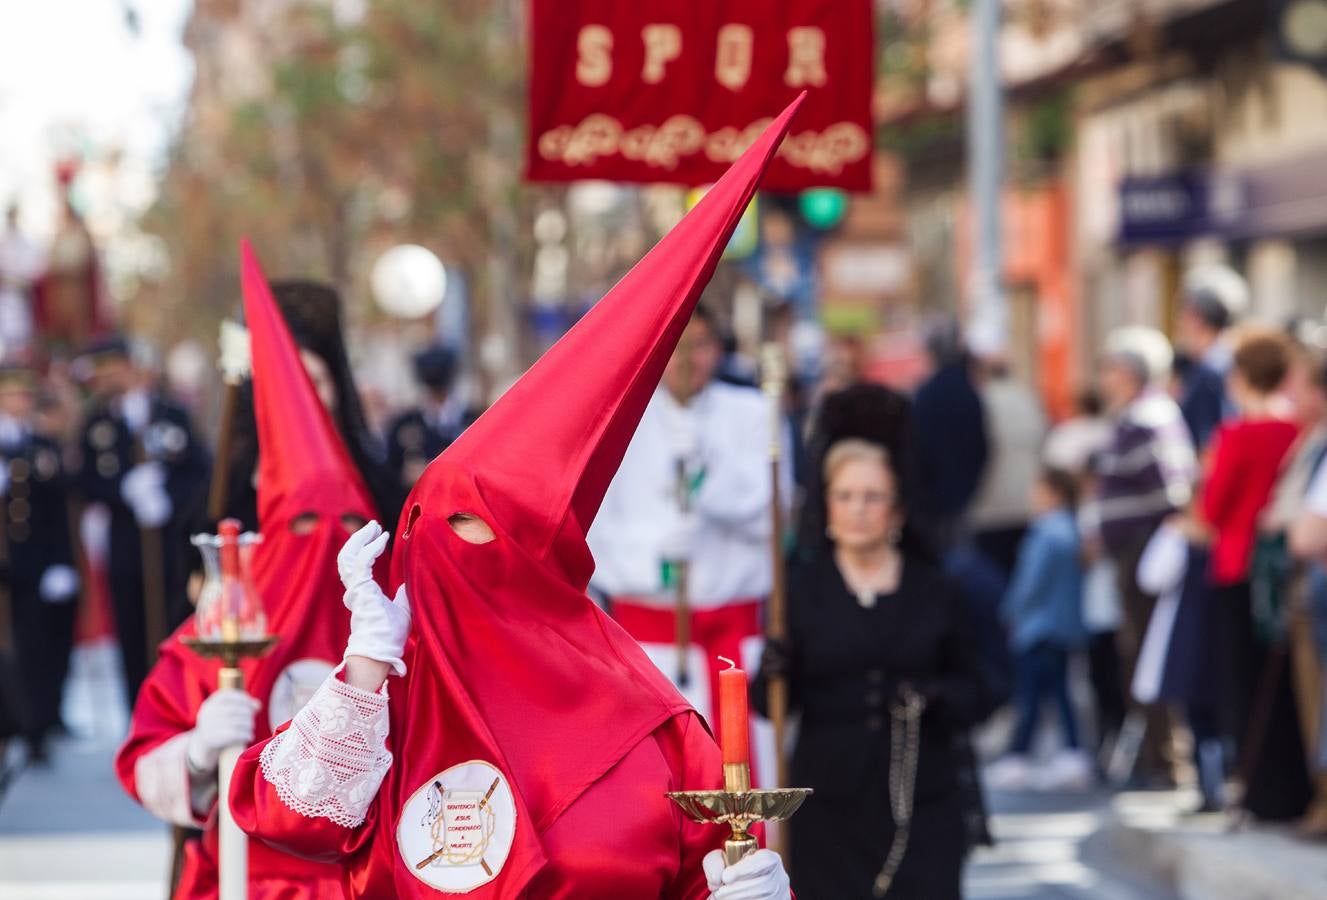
(1246, 458)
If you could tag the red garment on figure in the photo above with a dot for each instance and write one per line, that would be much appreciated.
(1246, 460)
(510, 664)
(167, 707)
(620, 838)
(718, 632)
(303, 469)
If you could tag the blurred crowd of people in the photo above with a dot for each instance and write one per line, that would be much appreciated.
(1170, 535)
(956, 553)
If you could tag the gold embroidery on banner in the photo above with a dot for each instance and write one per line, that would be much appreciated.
(663, 44)
(598, 135)
(594, 47)
(732, 56)
(726, 144)
(829, 150)
(806, 57)
(664, 146)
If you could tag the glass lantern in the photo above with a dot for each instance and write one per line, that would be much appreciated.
(229, 610)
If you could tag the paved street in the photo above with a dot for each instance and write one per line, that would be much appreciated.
(1048, 848)
(68, 831)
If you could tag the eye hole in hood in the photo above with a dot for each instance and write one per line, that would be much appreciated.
(469, 528)
(307, 522)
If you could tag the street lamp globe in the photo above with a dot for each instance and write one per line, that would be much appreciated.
(408, 281)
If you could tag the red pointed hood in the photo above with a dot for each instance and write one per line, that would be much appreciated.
(303, 465)
(512, 664)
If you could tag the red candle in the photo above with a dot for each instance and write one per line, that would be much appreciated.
(734, 730)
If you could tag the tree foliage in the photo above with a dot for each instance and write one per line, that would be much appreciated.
(325, 141)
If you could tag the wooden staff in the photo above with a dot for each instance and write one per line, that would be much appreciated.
(235, 368)
(154, 617)
(681, 575)
(773, 380)
(216, 497)
(153, 560)
(681, 568)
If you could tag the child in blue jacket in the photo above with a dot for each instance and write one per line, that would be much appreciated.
(1043, 613)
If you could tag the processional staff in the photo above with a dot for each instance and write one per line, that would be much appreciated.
(678, 571)
(773, 380)
(235, 366)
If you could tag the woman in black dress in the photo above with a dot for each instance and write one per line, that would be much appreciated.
(884, 671)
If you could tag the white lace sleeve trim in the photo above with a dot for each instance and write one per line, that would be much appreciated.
(331, 761)
(161, 778)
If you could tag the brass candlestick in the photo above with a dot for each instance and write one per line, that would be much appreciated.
(232, 844)
(231, 626)
(737, 806)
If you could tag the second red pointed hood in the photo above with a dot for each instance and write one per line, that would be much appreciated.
(303, 465)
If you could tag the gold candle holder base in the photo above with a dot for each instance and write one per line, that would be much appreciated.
(738, 810)
(230, 652)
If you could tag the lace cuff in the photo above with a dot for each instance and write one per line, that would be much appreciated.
(161, 779)
(331, 760)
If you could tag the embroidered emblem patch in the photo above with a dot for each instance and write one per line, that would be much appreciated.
(456, 831)
(294, 687)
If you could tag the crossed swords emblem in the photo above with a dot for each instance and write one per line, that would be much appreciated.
(443, 849)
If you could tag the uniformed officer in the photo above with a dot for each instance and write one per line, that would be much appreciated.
(418, 435)
(38, 551)
(140, 458)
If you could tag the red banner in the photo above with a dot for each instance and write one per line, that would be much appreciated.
(666, 91)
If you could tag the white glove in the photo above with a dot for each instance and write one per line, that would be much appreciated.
(759, 876)
(58, 584)
(224, 720)
(679, 544)
(361, 550)
(378, 626)
(144, 489)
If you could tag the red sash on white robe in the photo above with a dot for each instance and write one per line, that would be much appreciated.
(734, 631)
